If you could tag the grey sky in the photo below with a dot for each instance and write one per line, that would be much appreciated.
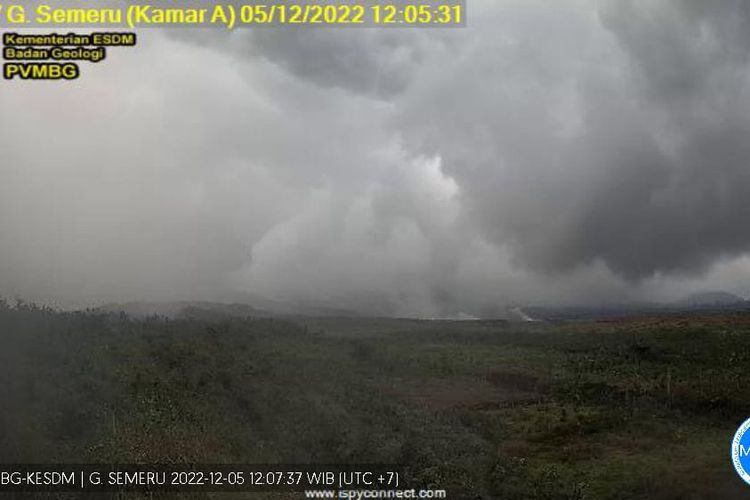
(553, 152)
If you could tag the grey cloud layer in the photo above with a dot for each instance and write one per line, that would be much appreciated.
(552, 151)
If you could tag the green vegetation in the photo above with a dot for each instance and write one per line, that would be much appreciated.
(620, 410)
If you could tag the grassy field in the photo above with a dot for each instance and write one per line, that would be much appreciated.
(638, 409)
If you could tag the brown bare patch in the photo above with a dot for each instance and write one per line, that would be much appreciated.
(517, 382)
(443, 394)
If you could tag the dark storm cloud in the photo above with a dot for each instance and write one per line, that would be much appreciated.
(677, 199)
(646, 170)
(681, 48)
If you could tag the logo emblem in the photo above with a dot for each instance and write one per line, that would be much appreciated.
(741, 451)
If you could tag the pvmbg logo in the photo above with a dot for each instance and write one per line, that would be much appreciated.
(741, 451)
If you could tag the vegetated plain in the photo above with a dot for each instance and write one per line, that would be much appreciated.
(635, 409)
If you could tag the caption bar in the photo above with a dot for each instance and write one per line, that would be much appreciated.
(195, 478)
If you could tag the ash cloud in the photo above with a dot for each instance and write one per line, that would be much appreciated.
(619, 137)
(560, 152)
